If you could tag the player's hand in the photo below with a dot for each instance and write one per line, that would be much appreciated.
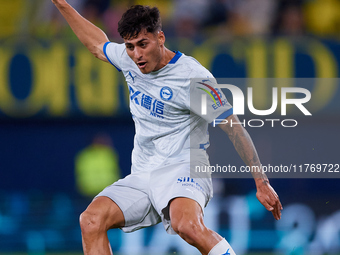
(268, 198)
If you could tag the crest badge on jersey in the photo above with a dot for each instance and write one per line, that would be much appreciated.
(166, 93)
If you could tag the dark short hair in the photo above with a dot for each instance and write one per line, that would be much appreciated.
(137, 18)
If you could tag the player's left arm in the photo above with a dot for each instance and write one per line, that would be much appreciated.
(244, 146)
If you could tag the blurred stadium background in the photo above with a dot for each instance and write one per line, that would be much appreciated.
(66, 132)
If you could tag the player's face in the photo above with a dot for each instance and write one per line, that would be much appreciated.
(146, 51)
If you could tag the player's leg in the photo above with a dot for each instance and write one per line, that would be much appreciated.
(187, 220)
(100, 216)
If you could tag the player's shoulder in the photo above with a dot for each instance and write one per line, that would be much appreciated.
(192, 67)
(113, 46)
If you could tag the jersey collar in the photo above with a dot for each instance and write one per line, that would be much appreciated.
(176, 57)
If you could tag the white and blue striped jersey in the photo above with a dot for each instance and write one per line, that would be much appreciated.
(167, 125)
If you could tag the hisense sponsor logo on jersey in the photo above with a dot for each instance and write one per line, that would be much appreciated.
(239, 102)
(156, 107)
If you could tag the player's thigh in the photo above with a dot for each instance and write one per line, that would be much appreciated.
(185, 212)
(131, 196)
(103, 212)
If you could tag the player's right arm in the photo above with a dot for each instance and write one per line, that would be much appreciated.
(90, 35)
(246, 149)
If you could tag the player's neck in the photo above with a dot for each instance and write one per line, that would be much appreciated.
(167, 55)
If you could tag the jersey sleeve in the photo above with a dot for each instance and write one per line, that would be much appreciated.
(208, 101)
(114, 53)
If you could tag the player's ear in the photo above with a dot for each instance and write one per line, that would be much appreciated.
(161, 37)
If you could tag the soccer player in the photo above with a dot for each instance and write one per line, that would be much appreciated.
(161, 187)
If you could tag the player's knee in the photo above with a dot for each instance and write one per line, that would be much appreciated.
(91, 223)
(189, 230)
(100, 216)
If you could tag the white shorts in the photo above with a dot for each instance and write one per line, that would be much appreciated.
(144, 197)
